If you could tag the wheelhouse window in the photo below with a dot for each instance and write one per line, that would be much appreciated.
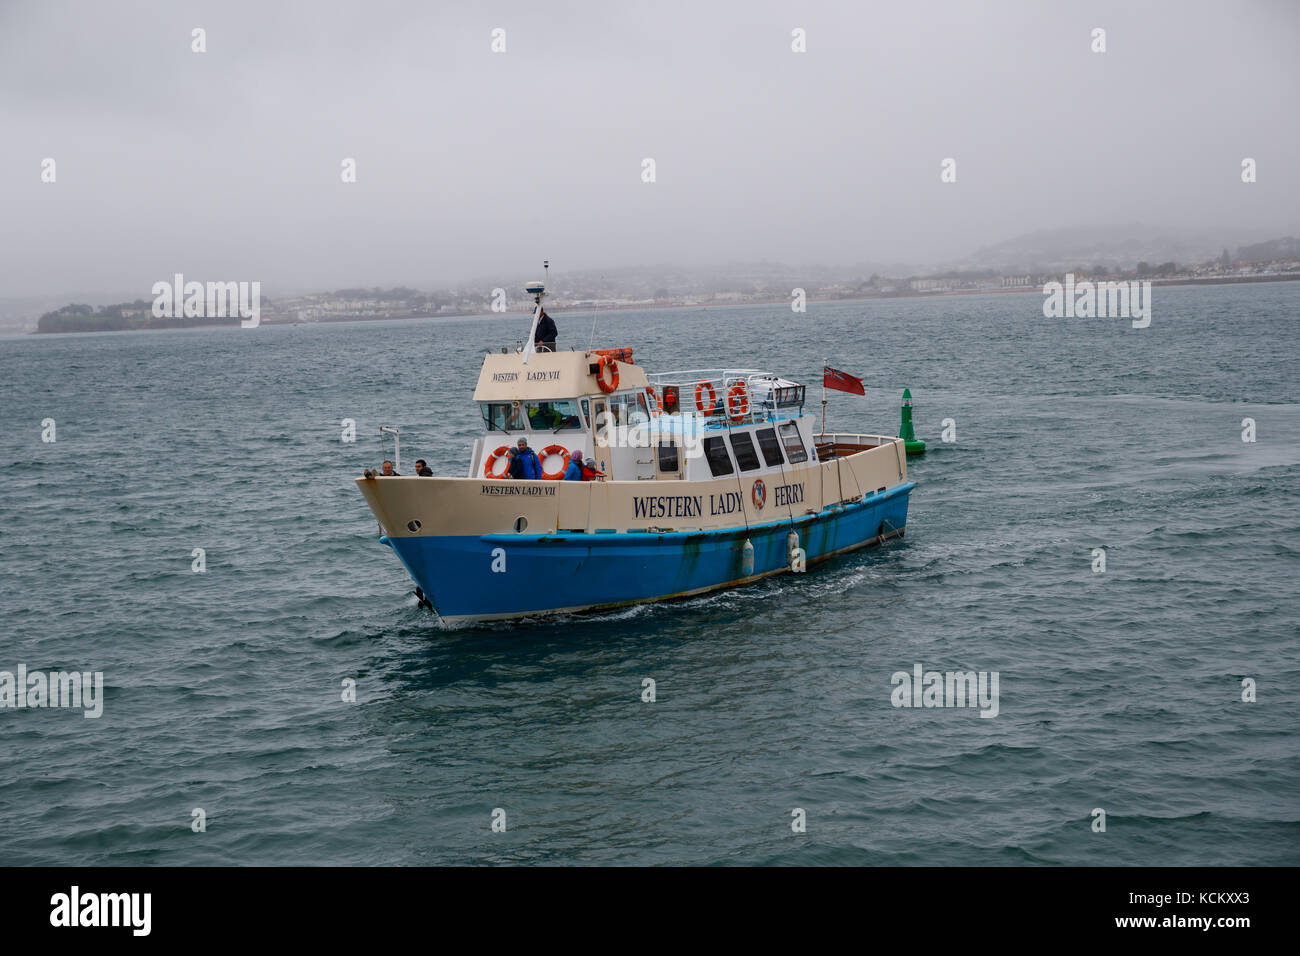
(794, 449)
(555, 415)
(743, 446)
(502, 416)
(771, 448)
(715, 452)
(629, 409)
(667, 456)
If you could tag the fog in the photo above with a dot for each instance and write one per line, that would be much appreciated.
(226, 164)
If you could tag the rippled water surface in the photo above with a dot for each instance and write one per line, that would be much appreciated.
(1119, 690)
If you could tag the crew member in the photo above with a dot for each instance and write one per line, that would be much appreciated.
(422, 469)
(545, 338)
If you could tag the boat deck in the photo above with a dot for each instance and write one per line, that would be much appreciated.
(842, 446)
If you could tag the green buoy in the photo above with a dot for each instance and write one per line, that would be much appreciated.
(911, 444)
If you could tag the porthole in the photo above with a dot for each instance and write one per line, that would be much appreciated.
(413, 525)
(521, 524)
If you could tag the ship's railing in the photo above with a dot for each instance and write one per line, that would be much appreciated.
(714, 376)
(761, 406)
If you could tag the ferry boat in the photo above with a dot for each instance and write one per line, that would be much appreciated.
(711, 478)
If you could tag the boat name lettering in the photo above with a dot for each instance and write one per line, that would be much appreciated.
(727, 503)
(668, 506)
(505, 376)
(518, 489)
(543, 376)
(789, 494)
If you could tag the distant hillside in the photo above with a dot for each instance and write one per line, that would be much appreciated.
(1288, 248)
(121, 317)
(1116, 248)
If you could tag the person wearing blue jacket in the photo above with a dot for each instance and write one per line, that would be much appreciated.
(528, 458)
(574, 471)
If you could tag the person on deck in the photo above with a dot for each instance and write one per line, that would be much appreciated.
(422, 469)
(546, 331)
(574, 471)
(514, 467)
(589, 472)
(528, 457)
(388, 471)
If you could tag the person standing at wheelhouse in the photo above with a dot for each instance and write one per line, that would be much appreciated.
(544, 340)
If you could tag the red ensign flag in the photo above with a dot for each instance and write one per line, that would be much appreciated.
(843, 381)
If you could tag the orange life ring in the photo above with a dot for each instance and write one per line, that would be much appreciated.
(492, 460)
(607, 363)
(699, 396)
(735, 396)
(564, 461)
(656, 406)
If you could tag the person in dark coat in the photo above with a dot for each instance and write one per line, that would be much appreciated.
(422, 469)
(532, 467)
(514, 466)
(546, 331)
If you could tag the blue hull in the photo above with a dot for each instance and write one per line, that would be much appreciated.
(571, 571)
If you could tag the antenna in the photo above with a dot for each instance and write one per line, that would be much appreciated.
(536, 290)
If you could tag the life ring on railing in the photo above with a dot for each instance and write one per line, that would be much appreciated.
(607, 363)
(656, 406)
(564, 461)
(492, 459)
(736, 395)
(699, 398)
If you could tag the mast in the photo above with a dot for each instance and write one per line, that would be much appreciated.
(825, 365)
(537, 290)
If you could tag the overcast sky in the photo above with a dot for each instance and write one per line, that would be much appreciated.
(225, 165)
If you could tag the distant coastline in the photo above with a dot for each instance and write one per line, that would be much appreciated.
(137, 317)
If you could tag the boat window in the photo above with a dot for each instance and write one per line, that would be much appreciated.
(743, 446)
(553, 415)
(715, 450)
(629, 409)
(586, 411)
(793, 443)
(770, 446)
(667, 456)
(502, 416)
